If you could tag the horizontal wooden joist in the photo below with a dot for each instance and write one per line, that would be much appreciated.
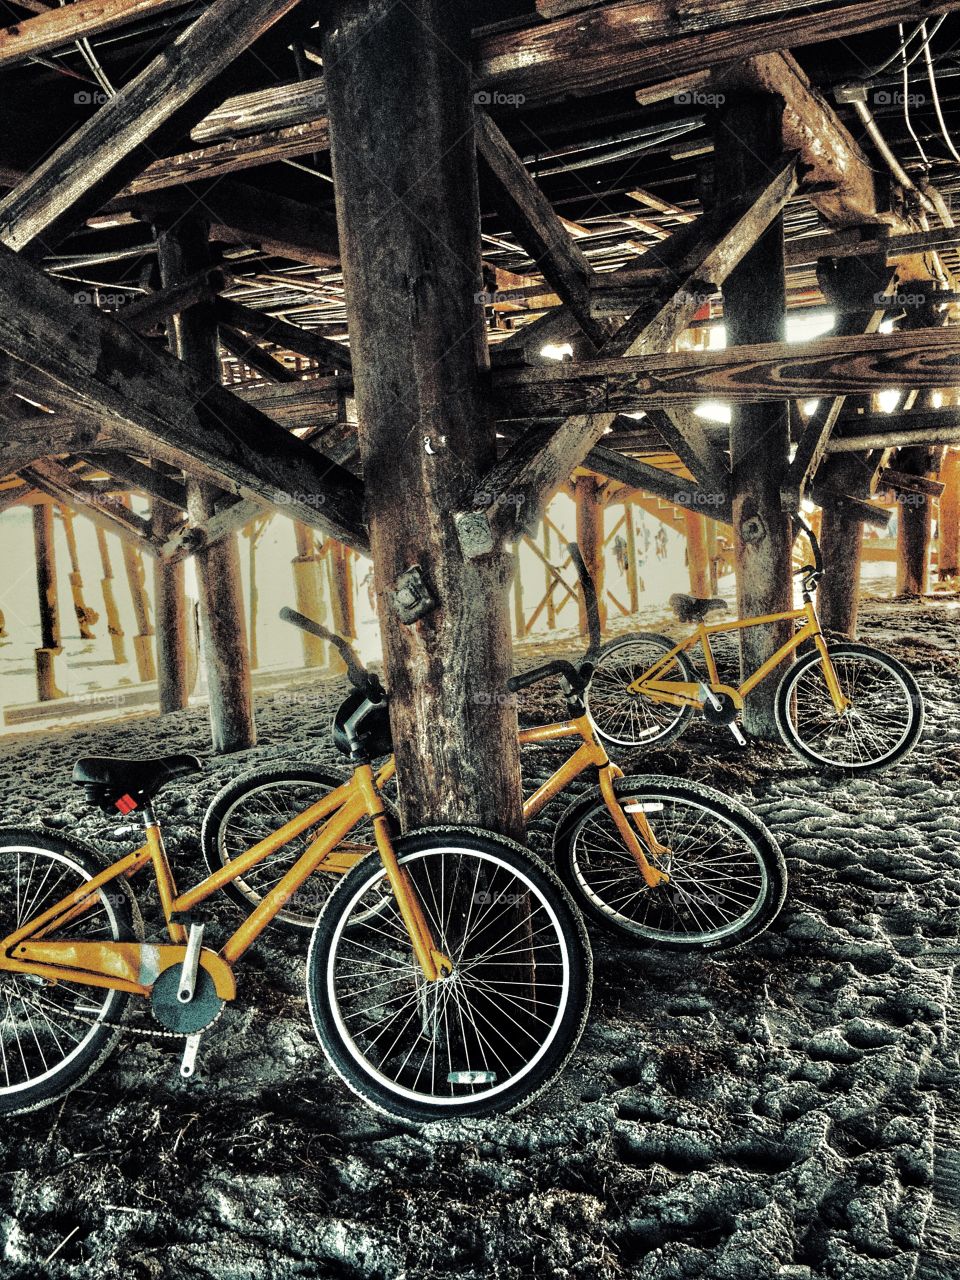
(620, 45)
(104, 509)
(158, 407)
(56, 27)
(291, 336)
(745, 374)
(663, 484)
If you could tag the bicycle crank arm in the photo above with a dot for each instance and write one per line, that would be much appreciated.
(191, 962)
(738, 737)
(189, 1064)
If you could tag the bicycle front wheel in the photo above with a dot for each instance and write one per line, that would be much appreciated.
(257, 804)
(633, 719)
(882, 723)
(53, 1035)
(728, 879)
(485, 1039)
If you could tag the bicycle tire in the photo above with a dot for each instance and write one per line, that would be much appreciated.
(123, 922)
(632, 720)
(566, 946)
(607, 885)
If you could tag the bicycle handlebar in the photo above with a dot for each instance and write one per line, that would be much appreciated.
(817, 565)
(366, 681)
(589, 599)
(577, 679)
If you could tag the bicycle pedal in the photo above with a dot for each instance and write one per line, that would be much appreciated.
(189, 1063)
(738, 737)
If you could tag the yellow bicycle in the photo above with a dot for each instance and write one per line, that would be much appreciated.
(842, 705)
(449, 974)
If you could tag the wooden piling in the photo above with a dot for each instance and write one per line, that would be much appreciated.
(308, 593)
(426, 436)
(698, 564)
(170, 609)
(914, 524)
(183, 250)
(50, 646)
(588, 498)
(948, 522)
(749, 143)
(114, 625)
(85, 616)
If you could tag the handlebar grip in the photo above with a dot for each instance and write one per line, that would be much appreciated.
(357, 673)
(558, 667)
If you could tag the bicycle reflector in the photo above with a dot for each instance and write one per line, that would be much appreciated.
(471, 1077)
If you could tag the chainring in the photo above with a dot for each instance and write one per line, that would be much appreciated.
(185, 1019)
(726, 713)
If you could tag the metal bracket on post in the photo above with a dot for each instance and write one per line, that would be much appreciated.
(411, 598)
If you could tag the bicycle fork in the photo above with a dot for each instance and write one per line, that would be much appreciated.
(652, 875)
(434, 963)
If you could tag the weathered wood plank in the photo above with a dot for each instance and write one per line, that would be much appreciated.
(54, 28)
(246, 350)
(161, 408)
(92, 164)
(662, 484)
(531, 218)
(303, 341)
(50, 476)
(744, 375)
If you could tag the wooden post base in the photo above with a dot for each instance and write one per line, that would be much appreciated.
(47, 687)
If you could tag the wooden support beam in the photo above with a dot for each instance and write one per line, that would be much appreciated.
(95, 162)
(843, 281)
(587, 492)
(531, 218)
(54, 29)
(86, 617)
(143, 641)
(698, 566)
(182, 250)
(686, 435)
(149, 313)
(708, 253)
(24, 439)
(308, 593)
(246, 350)
(417, 336)
(158, 406)
(149, 480)
(749, 137)
(50, 646)
(114, 625)
(304, 342)
(855, 244)
(948, 518)
(227, 520)
(170, 610)
(53, 478)
(914, 525)
(848, 284)
(614, 45)
(749, 374)
(662, 484)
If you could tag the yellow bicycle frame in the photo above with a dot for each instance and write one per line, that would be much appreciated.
(133, 967)
(685, 693)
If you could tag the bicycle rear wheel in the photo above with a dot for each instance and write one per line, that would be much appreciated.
(493, 1034)
(728, 879)
(882, 724)
(54, 1035)
(632, 719)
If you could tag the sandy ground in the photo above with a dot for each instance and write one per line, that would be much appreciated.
(787, 1110)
